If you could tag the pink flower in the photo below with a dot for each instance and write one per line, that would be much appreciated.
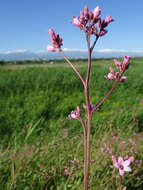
(131, 158)
(102, 33)
(75, 21)
(52, 33)
(126, 61)
(75, 114)
(122, 165)
(102, 24)
(86, 11)
(123, 66)
(90, 21)
(115, 76)
(122, 79)
(96, 12)
(108, 19)
(112, 75)
(56, 40)
(81, 17)
(118, 64)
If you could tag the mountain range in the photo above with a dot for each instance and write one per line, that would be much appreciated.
(20, 55)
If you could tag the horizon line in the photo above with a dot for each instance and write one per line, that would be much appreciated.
(19, 51)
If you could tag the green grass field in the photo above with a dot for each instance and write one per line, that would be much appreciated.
(41, 149)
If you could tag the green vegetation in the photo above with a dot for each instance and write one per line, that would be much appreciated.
(40, 149)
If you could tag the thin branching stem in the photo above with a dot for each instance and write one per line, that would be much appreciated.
(101, 102)
(89, 60)
(83, 124)
(92, 47)
(73, 67)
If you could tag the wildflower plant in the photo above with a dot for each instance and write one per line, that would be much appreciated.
(90, 23)
(123, 165)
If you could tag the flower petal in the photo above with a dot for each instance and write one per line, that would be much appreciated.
(116, 165)
(120, 160)
(127, 163)
(121, 172)
(127, 169)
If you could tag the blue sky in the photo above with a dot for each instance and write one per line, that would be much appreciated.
(24, 24)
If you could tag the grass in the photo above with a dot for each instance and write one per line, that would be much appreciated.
(40, 149)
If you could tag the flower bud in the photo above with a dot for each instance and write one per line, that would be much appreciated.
(52, 34)
(75, 114)
(108, 19)
(56, 40)
(118, 64)
(126, 62)
(96, 12)
(86, 11)
(122, 79)
(81, 16)
(75, 21)
(102, 33)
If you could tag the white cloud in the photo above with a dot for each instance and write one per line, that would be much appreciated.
(106, 51)
(16, 51)
(118, 51)
(111, 50)
(74, 50)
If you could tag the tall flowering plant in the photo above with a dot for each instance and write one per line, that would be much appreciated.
(91, 23)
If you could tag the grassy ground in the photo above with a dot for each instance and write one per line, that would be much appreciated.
(40, 149)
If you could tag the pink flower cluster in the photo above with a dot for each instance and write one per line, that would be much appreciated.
(122, 67)
(88, 21)
(75, 114)
(56, 41)
(122, 164)
(91, 22)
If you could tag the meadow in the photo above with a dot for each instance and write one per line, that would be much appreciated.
(41, 149)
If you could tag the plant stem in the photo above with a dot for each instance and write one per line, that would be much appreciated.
(120, 182)
(87, 153)
(88, 123)
(85, 156)
(106, 96)
(73, 67)
(87, 141)
(94, 43)
(84, 143)
(89, 61)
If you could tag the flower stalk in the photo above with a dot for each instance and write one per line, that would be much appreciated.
(120, 182)
(90, 23)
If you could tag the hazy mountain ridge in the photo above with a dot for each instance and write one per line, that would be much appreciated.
(27, 55)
